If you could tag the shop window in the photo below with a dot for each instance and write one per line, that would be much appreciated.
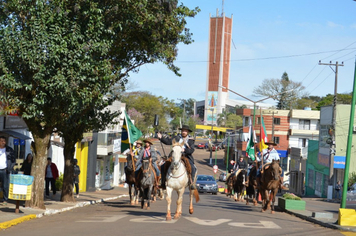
(276, 140)
(277, 121)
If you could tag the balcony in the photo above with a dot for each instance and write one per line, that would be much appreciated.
(303, 130)
(106, 142)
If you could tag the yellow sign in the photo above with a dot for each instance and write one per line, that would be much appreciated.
(208, 127)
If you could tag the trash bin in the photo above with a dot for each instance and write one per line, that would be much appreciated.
(20, 187)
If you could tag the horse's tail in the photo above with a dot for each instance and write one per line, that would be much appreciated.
(196, 195)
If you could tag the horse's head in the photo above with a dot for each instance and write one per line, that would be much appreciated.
(275, 169)
(177, 150)
(129, 160)
(145, 166)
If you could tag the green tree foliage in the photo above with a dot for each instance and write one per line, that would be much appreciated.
(229, 120)
(58, 60)
(341, 98)
(284, 90)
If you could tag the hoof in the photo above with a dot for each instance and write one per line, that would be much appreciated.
(168, 218)
(263, 210)
(191, 211)
(272, 212)
(176, 217)
(247, 203)
(147, 208)
(255, 204)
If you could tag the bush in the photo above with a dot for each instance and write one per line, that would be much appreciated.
(291, 196)
(352, 179)
(59, 183)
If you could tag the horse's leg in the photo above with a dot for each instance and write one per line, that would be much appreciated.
(149, 196)
(142, 197)
(179, 203)
(130, 193)
(255, 196)
(273, 194)
(169, 201)
(191, 195)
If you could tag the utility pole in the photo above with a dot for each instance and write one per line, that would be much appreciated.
(332, 145)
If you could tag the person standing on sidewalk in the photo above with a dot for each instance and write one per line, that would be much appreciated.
(50, 176)
(337, 190)
(76, 177)
(27, 165)
(7, 163)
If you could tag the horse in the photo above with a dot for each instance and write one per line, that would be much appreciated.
(146, 184)
(252, 190)
(130, 179)
(177, 179)
(270, 185)
(230, 182)
(239, 185)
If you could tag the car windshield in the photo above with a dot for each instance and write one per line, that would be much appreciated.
(205, 178)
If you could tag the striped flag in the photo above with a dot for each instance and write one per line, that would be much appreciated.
(263, 135)
(129, 133)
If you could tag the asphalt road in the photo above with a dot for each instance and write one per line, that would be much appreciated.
(213, 215)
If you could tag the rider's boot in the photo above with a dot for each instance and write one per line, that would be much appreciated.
(281, 183)
(191, 179)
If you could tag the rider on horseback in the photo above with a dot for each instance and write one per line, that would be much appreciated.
(146, 153)
(269, 155)
(188, 142)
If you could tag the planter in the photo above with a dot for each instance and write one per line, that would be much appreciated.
(289, 204)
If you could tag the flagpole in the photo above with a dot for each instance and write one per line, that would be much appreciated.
(261, 137)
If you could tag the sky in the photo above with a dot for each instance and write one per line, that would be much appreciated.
(269, 38)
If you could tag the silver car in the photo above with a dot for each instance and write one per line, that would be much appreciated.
(207, 184)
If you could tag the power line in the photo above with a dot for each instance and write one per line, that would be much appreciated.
(339, 51)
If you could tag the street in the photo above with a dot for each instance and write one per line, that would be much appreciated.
(213, 215)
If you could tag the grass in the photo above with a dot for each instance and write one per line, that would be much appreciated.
(291, 196)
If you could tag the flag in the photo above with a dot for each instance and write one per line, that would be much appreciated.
(250, 149)
(263, 135)
(129, 133)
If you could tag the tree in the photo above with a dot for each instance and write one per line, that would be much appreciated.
(58, 60)
(340, 99)
(284, 90)
(233, 121)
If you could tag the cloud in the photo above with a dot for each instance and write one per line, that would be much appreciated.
(334, 25)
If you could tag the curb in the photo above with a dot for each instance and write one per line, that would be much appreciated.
(19, 220)
(324, 224)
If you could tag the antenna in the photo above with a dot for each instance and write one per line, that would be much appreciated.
(222, 8)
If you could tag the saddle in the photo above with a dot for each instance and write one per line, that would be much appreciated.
(185, 162)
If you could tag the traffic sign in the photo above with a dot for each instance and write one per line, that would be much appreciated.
(215, 170)
(215, 167)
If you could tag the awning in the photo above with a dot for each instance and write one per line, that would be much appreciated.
(15, 134)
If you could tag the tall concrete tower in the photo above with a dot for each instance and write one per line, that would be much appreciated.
(218, 70)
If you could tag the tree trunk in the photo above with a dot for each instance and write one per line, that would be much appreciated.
(67, 188)
(38, 170)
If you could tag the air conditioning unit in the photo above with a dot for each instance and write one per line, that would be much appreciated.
(354, 128)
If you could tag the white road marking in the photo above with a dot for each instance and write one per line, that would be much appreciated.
(103, 219)
(153, 220)
(261, 225)
(207, 222)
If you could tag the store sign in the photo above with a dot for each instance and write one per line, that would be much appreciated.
(14, 122)
(117, 145)
(339, 162)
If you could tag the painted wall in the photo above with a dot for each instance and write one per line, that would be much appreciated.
(82, 157)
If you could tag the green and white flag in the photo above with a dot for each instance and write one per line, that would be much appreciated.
(250, 149)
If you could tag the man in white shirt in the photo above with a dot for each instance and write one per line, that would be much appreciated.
(7, 163)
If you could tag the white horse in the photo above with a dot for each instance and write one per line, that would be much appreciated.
(177, 179)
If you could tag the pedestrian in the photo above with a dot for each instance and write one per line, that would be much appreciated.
(27, 164)
(50, 176)
(76, 172)
(7, 163)
(188, 141)
(338, 190)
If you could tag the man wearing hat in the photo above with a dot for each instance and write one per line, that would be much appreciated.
(137, 149)
(188, 148)
(146, 153)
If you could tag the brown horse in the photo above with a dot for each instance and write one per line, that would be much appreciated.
(252, 191)
(230, 184)
(270, 185)
(239, 185)
(130, 179)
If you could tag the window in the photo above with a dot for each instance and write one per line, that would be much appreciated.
(258, 120)
(304, 124)
(303, 142)
(284, 163)
(246, 120)
(277, 121)
(276, 140)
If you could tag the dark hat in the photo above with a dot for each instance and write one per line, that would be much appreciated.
(49, 159)
(271, 143)
(186, 127)
(139, 142)
(148, 141)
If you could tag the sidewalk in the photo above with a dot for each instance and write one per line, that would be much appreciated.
(9, 218)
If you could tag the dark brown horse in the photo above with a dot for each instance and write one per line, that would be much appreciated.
(230, 181)
(130, 179)
(252, 191)
(270, 185)
(239, 185)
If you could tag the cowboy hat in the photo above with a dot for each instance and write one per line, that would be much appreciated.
(148, 141)
(186, 127)
(271, 143)
(139, 142)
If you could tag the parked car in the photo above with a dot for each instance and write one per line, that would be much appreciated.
(286, 183)
(201, 145)
(215, 147)
(222, 177)
(207, 184)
